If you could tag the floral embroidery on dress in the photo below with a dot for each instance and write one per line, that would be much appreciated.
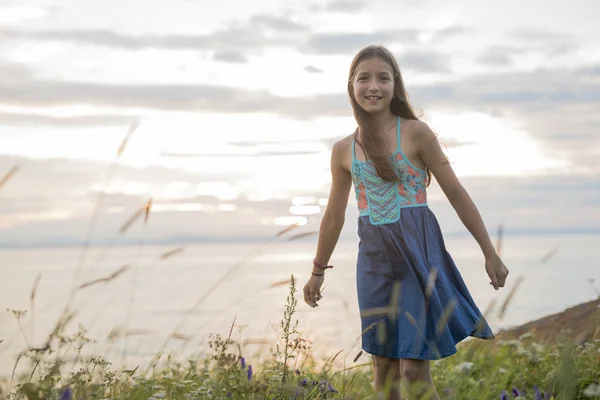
(421, 197)
(402, 190)
(362, 197)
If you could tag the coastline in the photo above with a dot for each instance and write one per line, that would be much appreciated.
(580, 323)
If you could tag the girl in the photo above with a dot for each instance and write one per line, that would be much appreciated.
(414, 305)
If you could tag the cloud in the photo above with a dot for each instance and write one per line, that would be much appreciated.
(258, 153)
(424, 61)
(539, 89)
(170, 98)
(347, 6)
(259, 33)
(502, 55)
(237, 41)
(495, 59)
(544, 42)
(592, 71)
(540, 100)
(234, 38)
(230, 56)
(281, 24)
(13, 73)
(23, 204)
(78, 121)
(350, 43)
(252, 35)
(312, 69)
(537, 35)
(451, 32)
(569, 130)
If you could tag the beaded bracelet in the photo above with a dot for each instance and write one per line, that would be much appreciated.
(318, 274)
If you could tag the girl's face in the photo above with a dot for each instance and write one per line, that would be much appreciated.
(373, 85)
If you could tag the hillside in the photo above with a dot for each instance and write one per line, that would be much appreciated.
(580, 323)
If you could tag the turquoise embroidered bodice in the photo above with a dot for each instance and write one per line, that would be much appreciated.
(381, 200)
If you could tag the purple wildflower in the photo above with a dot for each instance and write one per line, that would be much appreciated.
(516, 392)
(504, 395)
(303, 382)
(66, 394)
(325, 386)
(332, 389)
(243, 362)
(249, 372)
(537, 395)
(297, 372)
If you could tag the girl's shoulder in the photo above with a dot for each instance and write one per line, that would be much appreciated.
(343, 144)
(417, 131)
(341, 152)
(413, 127)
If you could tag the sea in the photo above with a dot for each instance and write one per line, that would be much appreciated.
(136, 302)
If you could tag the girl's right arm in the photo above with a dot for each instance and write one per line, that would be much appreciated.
(333, 218)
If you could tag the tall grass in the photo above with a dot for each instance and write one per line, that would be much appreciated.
(523, 368)
(513, 368)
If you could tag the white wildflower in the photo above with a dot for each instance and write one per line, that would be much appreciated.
(509, 343)
(593, 390)
(159, 395)
(534, 357)
(522, 351)
(502, 371)
(526, 336)
(465, 366)
(538, 347)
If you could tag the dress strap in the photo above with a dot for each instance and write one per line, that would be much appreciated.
(354, 144)
(398, 133)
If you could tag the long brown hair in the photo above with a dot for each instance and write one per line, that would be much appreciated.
(372, 143)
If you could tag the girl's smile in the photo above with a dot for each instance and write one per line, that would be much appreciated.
(374, 85)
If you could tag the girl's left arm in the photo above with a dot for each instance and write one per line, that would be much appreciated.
(430, 152)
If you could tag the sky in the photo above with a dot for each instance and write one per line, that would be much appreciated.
(232, 108)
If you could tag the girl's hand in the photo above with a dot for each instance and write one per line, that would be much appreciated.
(312, 290)
(496, 270)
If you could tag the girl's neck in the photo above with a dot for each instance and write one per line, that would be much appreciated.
(385, 121)
(382, 124)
